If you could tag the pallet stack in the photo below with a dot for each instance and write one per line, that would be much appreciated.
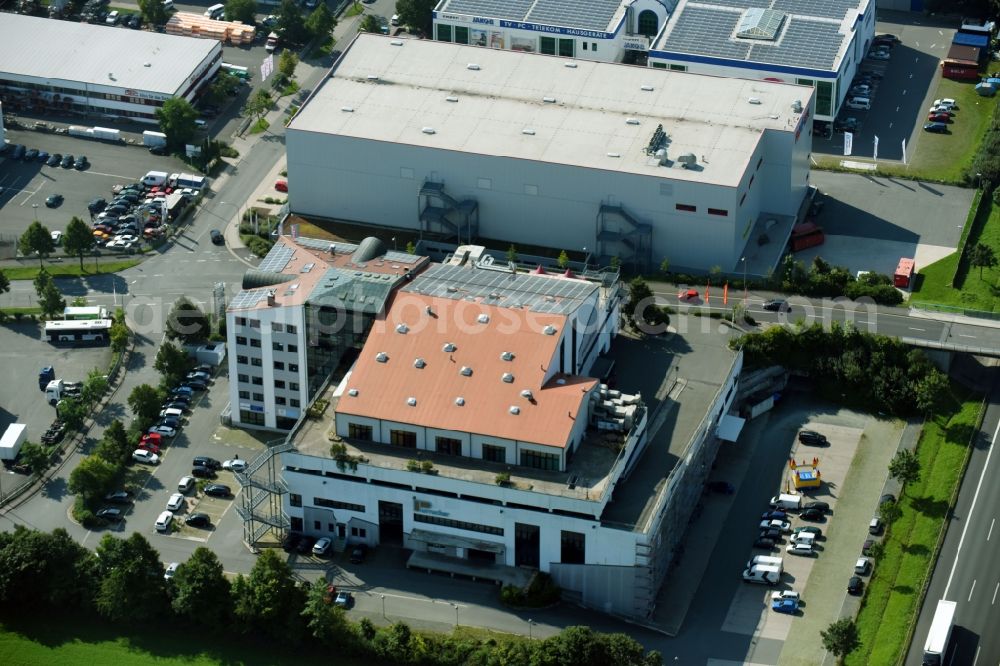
(198, 25)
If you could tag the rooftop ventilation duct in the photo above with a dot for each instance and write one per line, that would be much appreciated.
(515, 410)
(527, 394)
(754, 100)
(396, 42)
(614, 154)
(352, 392)
(449, 347)
(429, 130)
(460, 401)
(466, 371)
(451, 99)
(483, 318)
(688, 160)
(411, 401)
(528, 131)
(506, 356)
(797, 106)
(403, 329)
(631, 121)
(382, 357)
(419, 363)
(347, 109)
(429, 310)
(332, 249)
(549, 100)
(647, 88)
(507, 378)
(571, 65)
(473, 66)
(549, 330)
(373, 77)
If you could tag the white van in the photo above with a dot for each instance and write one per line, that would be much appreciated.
(164, 520)
(859, 103)
(764, 575)
(215, 11)
(394, 20)
(765, 560)
(171, 411)
(154, 178)
(168, 5)
(804, 537)
(786, 502)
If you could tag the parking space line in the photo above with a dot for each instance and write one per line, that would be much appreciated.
(108, 175)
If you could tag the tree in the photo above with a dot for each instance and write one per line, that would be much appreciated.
(201, 590)
(258, 104)
(417, 14)
(95, 386)
(35, 457)
(327, 622)
(841, 637)
(244, 11)
(269, 601)
(131, 583)
(638, 291)
(36, 238)
(153, 11)
(187, 323)
(119, 337)
(321, 22)
(905, 467)
(171, 362)
(370, 23)
(411, 247)
(665, 266)
(49, 297)
(563, 260)
(5, 282)
(287, 62)
(73, 413)
(115, 446)
(218, 89)
(982, 256)
(290, 24)
(931, 392)
(92, 478)
(512, 254)
(889, 512)
(39, 569)
(144, 401)
(79, 238)
(177, 118)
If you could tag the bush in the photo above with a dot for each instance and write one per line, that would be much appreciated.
(542, 591)
(259, 246)
(502, 479)
(412, 465)
(83, 515)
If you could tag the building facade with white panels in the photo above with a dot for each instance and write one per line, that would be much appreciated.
(98, 71)
(634, 163)
(600, 30)
(817, 43)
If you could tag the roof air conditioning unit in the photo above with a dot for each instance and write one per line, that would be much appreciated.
(549, 100)
(507, 378)
(373, 77)
(451, 99)
(347, 109)
(528, 131)
(449, 347)
(549, 330)
(483, 318)
(382, 357)
(460, 401)
(797, 106)
(419, 363)
(515, 410)
(466, 371)
(506, 356)
(647, 88)
(402, 328)
(353, 392)
(571, 65)
(661, 156)
(332, 249)
(473, 66)
(687, 160)
(429, 130)
(411, 401)
(527, 394)
(396, 42)
(614, 154)
(631, 121)
(754, 100)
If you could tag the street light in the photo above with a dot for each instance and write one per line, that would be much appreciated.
(237, 209)
(456, 614)
(35, 207)
(394, 243)
(531, 623)
(744, 260)
(383, 606)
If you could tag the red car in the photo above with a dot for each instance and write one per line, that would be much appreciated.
(151, 446)
(281, 185)
(939, 118)
(688, 295)
(153, 437)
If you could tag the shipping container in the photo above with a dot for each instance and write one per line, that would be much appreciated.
(903, 276)
(806, 235)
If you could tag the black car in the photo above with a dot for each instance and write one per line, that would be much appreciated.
(819, 506)
(54, 159)
(202, 472)
(180, 398)
(67, 161)
(196, 385)
(812, 514)
(119, 497)
(176, 404)
(111, 514)
(777, 305)
(936, 128)
(764, 543)
(116, 210)
(358, 553)
(171, 421)
(31, 154)
(305, 545)
(220, 490)
(158, 150)
(54, 200)
(17, 152)
(855, 585)
(886, 499)
(812, 438)
(205, 461)
(291, 541)
(97, 205)
(772, 533)
(217, 238)
(198, 520)
(81, 162)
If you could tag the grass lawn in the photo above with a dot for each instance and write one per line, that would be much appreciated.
(970, 291)
(942, 158)
(29, 310)
(260, 126)
(890, 603)
(70, 269)
(355, 9)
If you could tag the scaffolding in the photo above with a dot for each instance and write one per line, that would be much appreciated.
(261, 505)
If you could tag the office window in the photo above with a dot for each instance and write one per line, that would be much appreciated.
(444, 32)
(241, 321)
(686, 208)
(243, 378)
(659, 65)
(251, 418)
(457, 524)
(824, 98)
(276, 327)
(278, 400)
(461, 34)
(317, 525)
(448, 446)
(750, 184)
(359, 532)
(759, 162)
(547, 45)
(403, 438)
(593, 46)
(531, 190)
(255, 362)
(244, 395)
(539, 460)
(242, 360)
(573, 547)
(255, 343)
(293, 386)
(358, 431)
(585, 46)
(257, 381)
(485, 184)
(718, 211)
(293, 367)
(335, 504)
(294, 500)
(240, 340)
(678, 68)
(259, 397)
(290, 329)
(494, 453)
(277, 346)
(294, 402)
(279, 383)
(255, 323)
(293, 348)
(279, 365)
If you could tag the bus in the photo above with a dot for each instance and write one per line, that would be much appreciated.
(81, 313)
(936, 647)
(78, 332)
(236, 70)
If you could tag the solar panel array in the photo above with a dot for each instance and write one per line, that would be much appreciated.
(357, 291)
(804, 44)
(513, 10)
(583, 14)
(834, 9)
(741, 4)
(708, 32)
(276, 259)
(247, 298)
(324, 245)
(536, 293)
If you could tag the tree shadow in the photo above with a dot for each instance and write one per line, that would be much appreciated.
(916, 549)
(55, 489)
(903, 589)
(930, 507)
(960, 433)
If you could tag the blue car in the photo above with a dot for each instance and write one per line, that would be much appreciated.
(183, 390)
(774, 515)
(937, 128)
(786, 606)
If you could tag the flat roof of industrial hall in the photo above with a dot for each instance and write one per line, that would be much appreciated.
(542, 108)
(99, 54)
(599, 15)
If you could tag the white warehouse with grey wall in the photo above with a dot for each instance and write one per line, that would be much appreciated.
(534, 149)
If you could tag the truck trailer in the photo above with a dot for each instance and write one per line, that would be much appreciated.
(936, 647)
(13, 438)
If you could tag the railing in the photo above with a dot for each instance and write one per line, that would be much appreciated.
(954, 309)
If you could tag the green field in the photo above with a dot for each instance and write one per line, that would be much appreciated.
(70, 269)
(944, 158)
(890, 603)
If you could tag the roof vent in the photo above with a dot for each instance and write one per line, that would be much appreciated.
(147, 64)
(549, 100)
(515, 410)
(411, 401)
(797, 106)
(647, 88)
(687, 160)
(373, 77)
(352, 392)
(466, 371)
(561, 381)
(506, 356)
(382, 357)
(527, 394)
(507, 378)
(483, 318)
(549, 330)
(402, 328)
(429, 310)
(452, 98)
(571, 65)
(419, 363)
(529, 131)
(396, 42)
(473, 66)
(614, 154)
(347, 109)
(449, 347)
(460, 401)
(754, 100)
(332, 249)
(631, 121)
(429, 130)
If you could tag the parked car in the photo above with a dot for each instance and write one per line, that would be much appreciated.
(777, 305)
(787, 606)
(785, 594)
(946, 102)
(358, 553)
(770, 533)
(764, 543)
(119, 497)
(235, 465)
(30, 154)
(812, 438)
(322, 546)
(43, 156)
(175, 502)
(780, 525)
(144, 456)
(96, 205)
(171, 570)
(291, 542)
(186, 484)
(812, 514)
(112, 18)
(203, 472)
(158, 150)
(819, 506)
(164, 430)
(305, 544)
(875, 527)
(939, 117)
(774, 515)
(111, 514)
(163, 521)
(862, 565)
(151, 446)
(81, 162)
(888, 498)
(855, 585)
(936, 128)
(196, 385)
(198, 520)
(879, 55)
(281, 185)
(803, 549)
(198, 375)
(218, 490)
(67, 161)
(866, 547)
(53, 201)
(344, 599)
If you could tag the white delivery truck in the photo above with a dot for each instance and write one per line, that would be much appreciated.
(154, 178)
(762, 574)
(786, 502)
(765, 560)
(58, 389)
(152, 139)
(13, 438)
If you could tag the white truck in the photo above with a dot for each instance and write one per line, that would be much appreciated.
(13, 438)
(936, 646)
(762, 574)
(786, 502)
(154, 178)
(179, 180)
(152, 139)
(57, 389)
(765, 560)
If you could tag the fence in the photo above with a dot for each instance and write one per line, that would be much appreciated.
(954, 309)
(973, 225)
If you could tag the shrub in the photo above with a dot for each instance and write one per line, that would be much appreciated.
(502, 479)
(426, 466)
(413, 465)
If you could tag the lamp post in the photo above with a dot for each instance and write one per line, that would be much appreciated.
(586, 258)
(35, 208)
(531, 623)
(744, 260)
(235, 208)
(456, 614)
(394, 243)
(383, 606)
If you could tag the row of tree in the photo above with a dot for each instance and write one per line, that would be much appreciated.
(123, 581)
(78, 240)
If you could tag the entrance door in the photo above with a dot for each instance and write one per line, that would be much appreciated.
(527, 543)
(390, 523)
(476, 555)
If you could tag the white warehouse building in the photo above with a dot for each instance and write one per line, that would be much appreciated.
(50, 66)
(642, 165)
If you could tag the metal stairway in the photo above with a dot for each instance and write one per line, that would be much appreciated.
(620, 234)
(261, 497)
(440, 213)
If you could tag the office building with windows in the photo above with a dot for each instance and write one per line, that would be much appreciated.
(66, 67)
(817, 43)
(306, 306)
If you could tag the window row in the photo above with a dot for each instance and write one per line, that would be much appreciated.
(334, 504)
(457, 524)
(688, 208)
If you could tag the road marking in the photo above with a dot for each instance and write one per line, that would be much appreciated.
(971, 589)
(990, 533)
(963, 335)
(995, 590)
(975, 498)
(109, 175)
(934, 45)
(917, 329)
(976, 660)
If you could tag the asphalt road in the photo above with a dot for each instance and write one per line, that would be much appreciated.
(968, 568)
